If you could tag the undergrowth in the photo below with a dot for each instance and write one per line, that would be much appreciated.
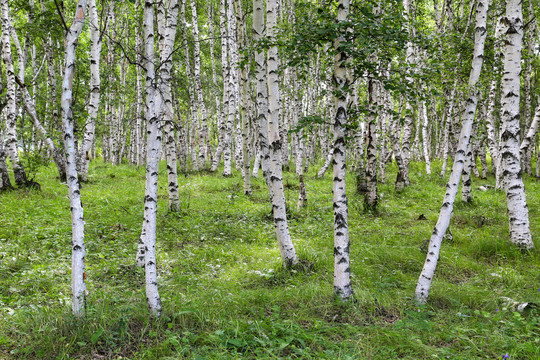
(224, 292)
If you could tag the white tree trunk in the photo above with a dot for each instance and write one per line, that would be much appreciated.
(201, 108)
(342, 267)
(5, 183)
(167, 24)
(327, 163)
(425, 140)
(528, 141)
(371, 197)
(272, 177)
(147, 243)
(95, 86)
(222, 125)
(426, 276)
(11, 144)
(78, 286)
(518, 212)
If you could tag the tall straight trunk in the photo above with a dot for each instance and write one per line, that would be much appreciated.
(273, 179)
(222, 125)
(139, 117)
(167, 23)
(518, 212)
(371, 197)
(232, 87)
(95, 86)
(244, 113)
(425, 140)
(342, 267)
(147, 243)
(526, 153)
(426, 276)
(492, 138)
(191, 128)
(403, 176)
(201, 108)
(11, 144)
(78, 286)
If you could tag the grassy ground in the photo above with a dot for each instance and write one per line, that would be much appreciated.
(224, 293)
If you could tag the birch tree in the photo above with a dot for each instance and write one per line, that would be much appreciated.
(146, 254)
(342, 269)
(95, 89)
(273, 179)
(426, 276)
(518, 212)
(78, 286)
(11, 141)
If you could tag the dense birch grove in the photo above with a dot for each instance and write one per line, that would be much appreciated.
(268, 87)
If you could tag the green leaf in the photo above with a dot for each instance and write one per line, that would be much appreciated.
(96, 336)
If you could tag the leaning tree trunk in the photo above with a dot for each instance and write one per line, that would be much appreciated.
(11, 102)
(426, 276)
(147, 243)
(528, 142)
(518, 212)
(78, 286)
(342, 267)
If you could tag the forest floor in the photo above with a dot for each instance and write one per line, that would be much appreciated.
(224, 293)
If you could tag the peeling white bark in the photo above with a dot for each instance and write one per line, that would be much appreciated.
(78, 286)
(428, 271)
(518, 212)
(342, 267)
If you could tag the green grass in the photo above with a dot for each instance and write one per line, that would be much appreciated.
(224, 293)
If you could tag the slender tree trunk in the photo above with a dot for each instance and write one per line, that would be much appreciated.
(95, 86)
(222, 126)
(11, 144)
(342, 267)
(78, 286)
(518, 212)
(371, 197)
(273, 179)
(424, 282)
(425, 140)
(147, 244)
(201, 108)
(167, 24)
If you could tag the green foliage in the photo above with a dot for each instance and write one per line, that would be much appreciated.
(33, 161)
(224, 292)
